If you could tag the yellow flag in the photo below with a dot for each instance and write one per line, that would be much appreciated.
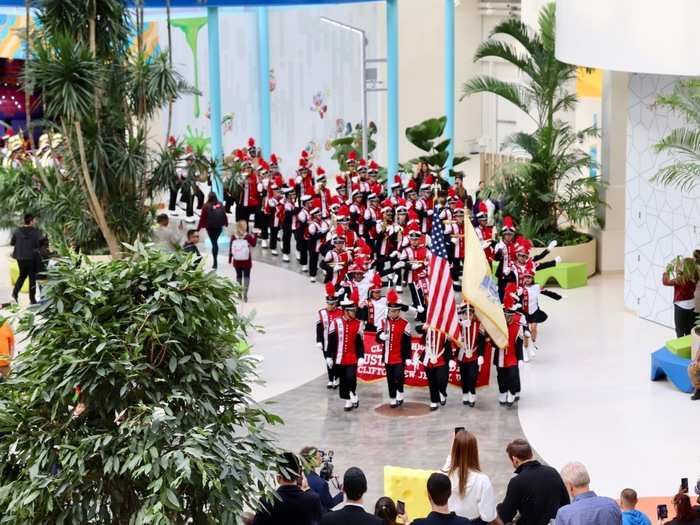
(479, 288)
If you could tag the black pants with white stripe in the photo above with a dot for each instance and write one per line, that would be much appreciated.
(437, 382)
(508, 379)
(469, 372)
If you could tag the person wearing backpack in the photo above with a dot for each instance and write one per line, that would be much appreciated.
(214, 219)
(239, 255)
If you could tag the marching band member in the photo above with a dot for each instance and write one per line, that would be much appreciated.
(249, 199)
(530, 298)
(337, 260)
(372, 215)
(356, 211)
(323, 193)
(276, 205)
(470, 356)
(484, 232)
(424, 204)
(373, 311)
(507, 359)
(455, 230)
(345, 351)
(262, 215)
(414, 257)
(388, 240)
(504, 252)
(394, 335)
(437, 367)
(316, 230)
(326, 316)
(288, 219)
(300, 225)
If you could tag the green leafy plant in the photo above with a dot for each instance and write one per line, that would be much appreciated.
(100, 94)
(683, 269)
(551, 189)
(427, 136)
(131, 403)
(352, 141)
(682, 143)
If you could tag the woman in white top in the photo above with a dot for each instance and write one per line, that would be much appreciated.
(472, 493)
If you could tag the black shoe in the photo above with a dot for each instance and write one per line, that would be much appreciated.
(509, 404)
(356, 404)
(465, 403)
(14, 298)
(394, 406)
(335, 387)
(347, 409)
(329, 386)
(696, 395)
(443, 402)
(472, 404)
(399, 402)
(433, 408)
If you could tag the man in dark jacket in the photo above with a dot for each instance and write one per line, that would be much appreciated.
(294, 506)
(536, 492)
(353, 513)
(25, 240)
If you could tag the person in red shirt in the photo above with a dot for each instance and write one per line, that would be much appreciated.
(683, 275)
(240, 255)
(326, 316)
(470, 356)
(345, 350)
(394, 335)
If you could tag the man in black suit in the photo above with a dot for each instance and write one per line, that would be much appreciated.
(316, 483)
(353, 513)
(294, 506)
(439, 491)
(535, 493)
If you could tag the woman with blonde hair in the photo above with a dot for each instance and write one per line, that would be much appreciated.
(472, 493)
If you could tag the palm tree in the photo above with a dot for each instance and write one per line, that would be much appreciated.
(682, 143)
(100, 94)
(549, 189)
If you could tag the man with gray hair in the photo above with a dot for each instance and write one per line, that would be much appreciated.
(586, 508)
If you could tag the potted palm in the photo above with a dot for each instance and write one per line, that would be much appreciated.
(550, 196)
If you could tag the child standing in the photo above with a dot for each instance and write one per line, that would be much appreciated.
(240, 255)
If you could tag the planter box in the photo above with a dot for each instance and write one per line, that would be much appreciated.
(583, 253)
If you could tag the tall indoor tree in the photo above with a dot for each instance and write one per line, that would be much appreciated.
(99, 91)
(682, 143)
(550, 189)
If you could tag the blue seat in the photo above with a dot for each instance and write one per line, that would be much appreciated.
(665, 363)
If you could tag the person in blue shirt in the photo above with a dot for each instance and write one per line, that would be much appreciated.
(316, 483)
(586, 507)
(630, 515)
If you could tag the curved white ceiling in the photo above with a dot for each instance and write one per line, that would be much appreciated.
(641, 36)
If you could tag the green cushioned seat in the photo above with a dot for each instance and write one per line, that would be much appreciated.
(566, 274)
(680, 346)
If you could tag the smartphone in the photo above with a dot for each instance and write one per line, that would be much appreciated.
(661, 512)
(400, 507)
(684, 485)
(457, 429)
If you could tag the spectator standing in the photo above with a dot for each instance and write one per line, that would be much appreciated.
(694, 373)
(685, 513)
(165, 238)
(472, 493)
(439, 491)
(630, 515)
(682, 274)
(316, 483)
(353, 513)
(294, 506)
(191, 243)
(536, 492)
(7, 349)
(240, 255)
(385, 509)
(586, 507)
(213, 219)
(25, 240)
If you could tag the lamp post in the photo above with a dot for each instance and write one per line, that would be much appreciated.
(363, 80)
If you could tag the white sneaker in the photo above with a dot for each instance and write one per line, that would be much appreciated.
(472, 399)
(190, 220)
(336, 382)
(465, 399)
(433, 406)
(392, 402)
(264, 244)
(348, 406)
(274, 252)
(532, 349)
(312, 279)
(285, 258)
(510, 399)
(399, 289)
(399, 396)
(502, 398)
(304, 269)
(443, 399)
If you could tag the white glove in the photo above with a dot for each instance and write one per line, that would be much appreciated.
(415, 265)
(420, 309)
(408, 362)
(382, 336)
(552, 245)
(394, 254)
(429, 212)
(298, 179)
(520, 363)
(320, 345)
(480, 360)
(557, 259)
(447, 229)
(454, 240)
(329, 362)
(361, 361)
(399, 264)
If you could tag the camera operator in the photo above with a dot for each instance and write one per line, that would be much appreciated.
(315, 459)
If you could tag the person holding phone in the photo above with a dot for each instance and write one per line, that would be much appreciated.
(390, 513)
(685, 514)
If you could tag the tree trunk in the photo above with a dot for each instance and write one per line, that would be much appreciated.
(98, 210)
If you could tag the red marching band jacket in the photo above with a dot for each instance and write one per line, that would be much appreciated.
(251, 191)
(345, 345)
(323, 325)
(396, 340)
(509, 356)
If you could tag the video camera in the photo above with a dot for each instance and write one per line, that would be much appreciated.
(326, 470)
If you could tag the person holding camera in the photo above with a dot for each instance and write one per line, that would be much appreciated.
(319, 483)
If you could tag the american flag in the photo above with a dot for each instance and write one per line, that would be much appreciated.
(442, 307)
